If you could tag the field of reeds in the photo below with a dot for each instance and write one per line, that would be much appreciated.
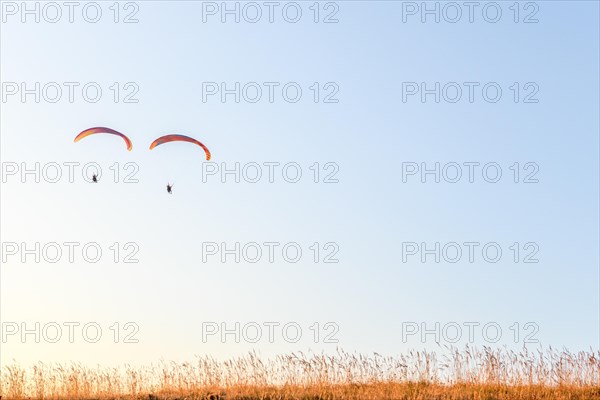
(468, 373)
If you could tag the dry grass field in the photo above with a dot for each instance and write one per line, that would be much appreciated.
(468, 373)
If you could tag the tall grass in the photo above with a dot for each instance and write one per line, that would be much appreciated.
(468, 373)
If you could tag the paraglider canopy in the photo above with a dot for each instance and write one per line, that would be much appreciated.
(100, 129)
(179, 138)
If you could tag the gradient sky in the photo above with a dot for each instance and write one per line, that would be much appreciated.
(369, 213)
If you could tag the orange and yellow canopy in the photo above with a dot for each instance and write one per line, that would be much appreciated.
(179, 138)
(92, 131)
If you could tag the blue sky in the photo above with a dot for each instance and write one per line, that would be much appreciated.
(170, 53)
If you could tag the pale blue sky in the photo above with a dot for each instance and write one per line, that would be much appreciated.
(369, 213)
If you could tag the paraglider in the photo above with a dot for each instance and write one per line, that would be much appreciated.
(179, 138)
(100, 129)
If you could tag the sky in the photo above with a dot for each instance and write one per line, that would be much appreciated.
(380, 180)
